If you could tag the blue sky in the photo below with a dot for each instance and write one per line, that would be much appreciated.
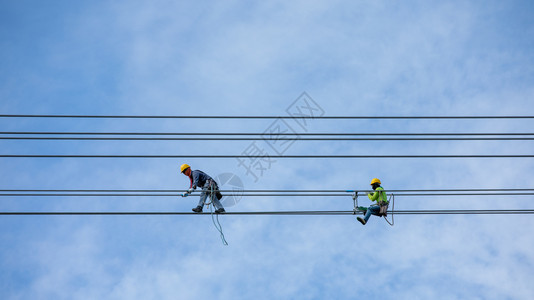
(242, 58)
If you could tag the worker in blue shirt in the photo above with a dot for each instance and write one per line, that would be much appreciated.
(208, 185)
(378, 209)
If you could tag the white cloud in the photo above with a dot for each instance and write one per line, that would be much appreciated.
(204, 58)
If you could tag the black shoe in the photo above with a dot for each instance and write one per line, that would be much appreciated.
(220, 211)
(198, 209)
(361, 220)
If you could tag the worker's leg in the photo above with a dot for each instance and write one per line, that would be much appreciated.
(203, 196)
(373, 209)
(213, 189)
(216, 203)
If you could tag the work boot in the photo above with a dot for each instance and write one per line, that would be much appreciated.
(361, 220)
(198, 209)
(220, 211)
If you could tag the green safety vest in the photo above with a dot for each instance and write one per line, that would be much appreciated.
(379, 195)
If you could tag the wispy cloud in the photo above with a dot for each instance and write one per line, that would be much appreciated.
(235, 58)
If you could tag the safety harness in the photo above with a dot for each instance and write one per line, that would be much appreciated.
(383, 205)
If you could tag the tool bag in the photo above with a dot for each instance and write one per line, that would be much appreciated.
(212, 185)
(383, 205)
(383, 208)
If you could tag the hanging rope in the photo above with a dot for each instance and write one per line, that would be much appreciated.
(392, 200)
(215, 219)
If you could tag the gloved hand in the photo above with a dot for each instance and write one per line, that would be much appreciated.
(189, 191)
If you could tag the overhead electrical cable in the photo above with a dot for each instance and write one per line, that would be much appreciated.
(267, 133)
(267, 191)
(302, 213)
(265, 157)
(134, 136)
(267, 139)
(295, 116)
(250, 195)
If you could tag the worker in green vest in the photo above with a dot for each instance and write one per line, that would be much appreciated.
(378, 209)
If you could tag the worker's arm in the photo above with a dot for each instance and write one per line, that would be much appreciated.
(188, 192)
(373, 196)
(192, 187)
(196, 178)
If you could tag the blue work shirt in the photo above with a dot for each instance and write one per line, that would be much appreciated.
(198, 178)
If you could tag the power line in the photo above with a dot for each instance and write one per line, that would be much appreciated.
(302, 116)
(265, 133)
(293, 213)
(230, 136)
(267, 191)
(264, 157)
(258, 193)
(264, 138)
(251, 195)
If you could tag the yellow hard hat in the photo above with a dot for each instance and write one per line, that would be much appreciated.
(375, 180)
(184, 167)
